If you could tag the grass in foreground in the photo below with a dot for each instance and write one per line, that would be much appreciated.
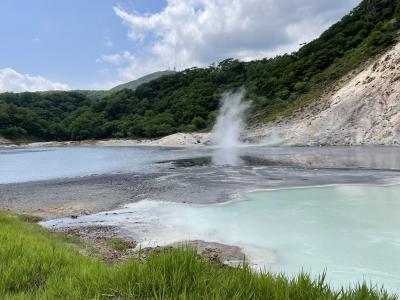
(35, 264)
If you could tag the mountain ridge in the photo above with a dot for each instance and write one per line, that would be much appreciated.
(131, 85)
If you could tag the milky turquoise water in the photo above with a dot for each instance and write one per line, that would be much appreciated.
(351, 232)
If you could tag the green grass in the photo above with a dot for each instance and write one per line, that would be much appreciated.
(118, 244)
(29, 218)
(35, 264)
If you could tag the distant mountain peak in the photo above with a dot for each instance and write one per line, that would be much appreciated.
(132, 85)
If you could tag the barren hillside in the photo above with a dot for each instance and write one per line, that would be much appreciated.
(363, 109)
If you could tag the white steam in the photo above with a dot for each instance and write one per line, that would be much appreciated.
(228, 127)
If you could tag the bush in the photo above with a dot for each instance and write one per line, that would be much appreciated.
(199, 122)
(14, 132)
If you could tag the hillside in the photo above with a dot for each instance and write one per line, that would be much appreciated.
(188, 101)
(363, 108)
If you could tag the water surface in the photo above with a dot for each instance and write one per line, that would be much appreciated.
(22, 165)
(33, 164)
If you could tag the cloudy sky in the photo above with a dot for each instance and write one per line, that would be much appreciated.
(92, 44)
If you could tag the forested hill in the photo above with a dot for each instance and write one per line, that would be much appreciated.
(188, 100)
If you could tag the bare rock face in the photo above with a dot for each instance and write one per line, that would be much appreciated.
(183, 140)
(364, 109)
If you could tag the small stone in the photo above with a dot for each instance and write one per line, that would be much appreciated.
(213, 257)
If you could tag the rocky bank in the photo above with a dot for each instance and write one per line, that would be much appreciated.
(4, 142)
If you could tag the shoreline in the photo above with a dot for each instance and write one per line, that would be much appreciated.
(175, 140)
(102, 238)
(64, 197)
(180, 140)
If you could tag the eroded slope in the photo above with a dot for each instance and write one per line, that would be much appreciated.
(363, 109)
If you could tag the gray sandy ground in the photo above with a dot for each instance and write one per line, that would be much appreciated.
(61, 197)
(176, 181)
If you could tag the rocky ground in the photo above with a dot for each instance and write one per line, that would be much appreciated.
(104, 242)
(75, 196)
(173, 140)
(4, 142)
(184, 139)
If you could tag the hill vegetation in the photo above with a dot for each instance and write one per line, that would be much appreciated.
(188, 100)
(36, 264)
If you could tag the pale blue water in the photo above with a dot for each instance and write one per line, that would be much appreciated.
(32, 164)
(21, 165)
(351, 232)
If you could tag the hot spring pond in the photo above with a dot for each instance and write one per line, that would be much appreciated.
(350, 231)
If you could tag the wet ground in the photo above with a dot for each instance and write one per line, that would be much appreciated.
(197, 180)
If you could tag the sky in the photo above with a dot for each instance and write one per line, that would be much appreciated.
(97, 44)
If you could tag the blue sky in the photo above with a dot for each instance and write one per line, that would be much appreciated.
(61, 40)
(82, 44)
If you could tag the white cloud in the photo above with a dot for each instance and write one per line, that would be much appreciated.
(105, 85)
(117, 59)
(114, 59)
(129, 67)
(190, 33)
(12, 81)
